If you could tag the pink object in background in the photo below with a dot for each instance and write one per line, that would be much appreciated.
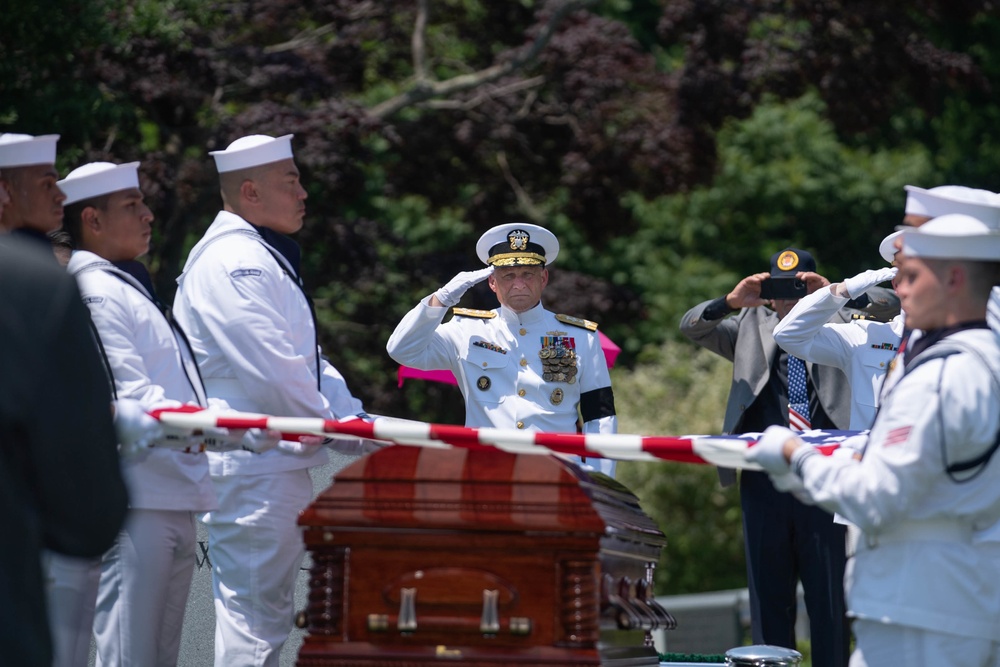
(611, 352)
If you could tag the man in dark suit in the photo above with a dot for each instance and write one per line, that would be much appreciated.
(785, 539)
(60, 484)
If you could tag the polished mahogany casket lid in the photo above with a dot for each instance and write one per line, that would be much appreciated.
(463, 557)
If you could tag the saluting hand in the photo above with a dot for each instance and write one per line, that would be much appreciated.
(452, 292)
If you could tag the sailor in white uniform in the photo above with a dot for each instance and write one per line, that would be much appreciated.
(518, 366)
(924, 588)
(863, 349)
(146, 576)
(251, 324)
(925, 205)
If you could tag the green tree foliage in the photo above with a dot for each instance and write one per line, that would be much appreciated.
(683, 391)
(783, 180)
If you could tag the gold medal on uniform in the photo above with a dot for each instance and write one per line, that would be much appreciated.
(557, 396)
(483, 383)
(558, 355)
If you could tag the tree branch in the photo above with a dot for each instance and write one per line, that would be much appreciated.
(422, 89)
(524, 202)
(418, 42)
(516, 86)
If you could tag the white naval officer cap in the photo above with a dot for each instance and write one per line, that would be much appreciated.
(517, 244)
(953, 236)
(253, 151)
(24, 150)
(945, 199)
(887, 248)
(98, 178)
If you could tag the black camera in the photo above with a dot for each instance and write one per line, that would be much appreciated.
(782, 288)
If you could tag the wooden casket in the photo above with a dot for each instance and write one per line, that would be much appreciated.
(478, 557)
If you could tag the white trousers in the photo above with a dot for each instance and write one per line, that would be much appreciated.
(71, 595)
(145, 582)
(886, 645)
(256, 549)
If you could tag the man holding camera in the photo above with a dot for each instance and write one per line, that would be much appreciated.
(785, 540)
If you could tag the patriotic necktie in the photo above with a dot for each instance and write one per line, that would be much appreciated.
(798, 395)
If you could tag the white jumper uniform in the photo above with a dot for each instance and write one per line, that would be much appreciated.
(919, 565)
(146, 576)
(495, 356)
(252, 330)
(862, 349)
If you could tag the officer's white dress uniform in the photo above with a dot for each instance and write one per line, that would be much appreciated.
(922, 588)
(252, 330)
(505, 364)
(146, 576)
(862, 349)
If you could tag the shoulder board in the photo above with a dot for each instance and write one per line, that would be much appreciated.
(472, 312)
(860, 316)
(577, 322)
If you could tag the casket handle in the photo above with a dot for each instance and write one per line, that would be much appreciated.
(489, 623)
(407, 621)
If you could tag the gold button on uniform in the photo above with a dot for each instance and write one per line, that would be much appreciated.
(524, 362)
(523, 331)
(520, 424)
(484, 364)
(521, 392)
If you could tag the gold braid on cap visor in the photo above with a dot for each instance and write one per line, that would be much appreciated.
(517, 259)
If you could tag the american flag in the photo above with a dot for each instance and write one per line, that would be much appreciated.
(721, 450)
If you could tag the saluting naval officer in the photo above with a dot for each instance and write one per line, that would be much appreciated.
(242, 303)
(518, 366)
(924, 585)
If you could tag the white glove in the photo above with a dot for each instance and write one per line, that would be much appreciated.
(866, 280)
(768, 452)
(852, 447)
(306, 445)
(452, 292)
(344, 444)
(792, 483)
(136, 429)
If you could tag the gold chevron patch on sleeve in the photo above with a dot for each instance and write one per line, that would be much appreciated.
(472, 312)
(577, 322)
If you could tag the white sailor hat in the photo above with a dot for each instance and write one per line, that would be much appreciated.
(517, 244)
(98, 178)
(953, 236)
(252, 151)
(945, 199)
(23, 150)
(887, 248)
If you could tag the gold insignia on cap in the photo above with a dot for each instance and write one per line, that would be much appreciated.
(787, 260)
(518, 239)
